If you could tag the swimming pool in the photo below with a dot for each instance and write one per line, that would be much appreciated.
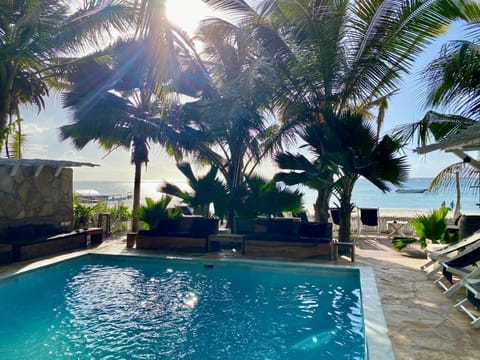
(126, 307)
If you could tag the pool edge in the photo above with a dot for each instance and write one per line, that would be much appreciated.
(379, 345)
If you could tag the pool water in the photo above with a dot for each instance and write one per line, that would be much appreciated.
(125, 307)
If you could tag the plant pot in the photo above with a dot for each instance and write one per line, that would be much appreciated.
(131, 237)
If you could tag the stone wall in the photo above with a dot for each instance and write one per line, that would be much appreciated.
(29, 199)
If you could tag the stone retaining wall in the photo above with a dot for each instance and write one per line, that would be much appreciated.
(30, 198)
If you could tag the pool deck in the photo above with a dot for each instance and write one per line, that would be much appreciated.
(421, 321)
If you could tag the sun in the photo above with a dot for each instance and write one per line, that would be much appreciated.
(187, 13)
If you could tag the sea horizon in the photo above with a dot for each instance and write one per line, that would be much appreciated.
(365, 194)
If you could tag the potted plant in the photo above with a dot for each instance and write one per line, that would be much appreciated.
(428, 228)
(83, 214)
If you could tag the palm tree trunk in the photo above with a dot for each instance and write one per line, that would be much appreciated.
(346, 209)
(321, 205)
(345, 227)
(456, 213)
(136, 194)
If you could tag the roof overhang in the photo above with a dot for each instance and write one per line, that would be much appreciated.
(39, 164)
(467, 139)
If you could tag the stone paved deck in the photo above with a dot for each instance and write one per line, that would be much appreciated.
(422, 322)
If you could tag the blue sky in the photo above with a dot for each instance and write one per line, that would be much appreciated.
(42, 134)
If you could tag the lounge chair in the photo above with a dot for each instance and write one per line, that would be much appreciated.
(368, 217)
(437, 253)
(462, 266)
(335, 215)
(472, 297)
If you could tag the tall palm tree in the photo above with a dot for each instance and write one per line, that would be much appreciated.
(452, 83)
(112, 105)
(36, 36)
(340, 55)
(226, 126)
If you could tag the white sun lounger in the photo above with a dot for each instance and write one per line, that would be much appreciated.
(463, 274)
(470, 305)
(447, 252)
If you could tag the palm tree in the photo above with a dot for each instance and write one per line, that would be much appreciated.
(111, 105)
(452, 83)
(35, 36)
(346, 148)
(127, 98)
(353, 146)
(339, 55)
(313, 173)
(227, 126)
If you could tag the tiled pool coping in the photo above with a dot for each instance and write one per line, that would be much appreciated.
(378, 343)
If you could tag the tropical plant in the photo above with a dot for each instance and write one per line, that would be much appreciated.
(122, 96)
(451, 84)
(267, 198)
(431, 227)
(120, 214)
(113, 105)
(35, 36)
(311, 173)
(346, 148)
(341, 56)
(154, 212)
(226, 126)
(206, 190)
(83, 214)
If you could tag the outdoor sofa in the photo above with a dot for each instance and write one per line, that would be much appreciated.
(38, 240)
(289, 237)
(187, 233)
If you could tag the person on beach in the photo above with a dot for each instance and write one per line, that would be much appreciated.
(452, 205)
(443, 204)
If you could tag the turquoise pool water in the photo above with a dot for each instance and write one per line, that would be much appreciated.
(125, 307)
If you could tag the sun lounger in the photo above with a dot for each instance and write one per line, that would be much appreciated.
(437, 253)
(369, 217)
(471, 303)
(462, 267)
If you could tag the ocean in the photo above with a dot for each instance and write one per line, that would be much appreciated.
(364, 195)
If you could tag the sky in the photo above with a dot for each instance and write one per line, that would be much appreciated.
(41, 128)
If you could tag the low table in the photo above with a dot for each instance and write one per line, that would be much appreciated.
(397, 228)
(215, 240)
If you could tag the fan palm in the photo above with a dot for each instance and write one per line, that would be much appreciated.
(35, 35)
(345, 149)
(267, 198)
(206, 190)
(311, 173)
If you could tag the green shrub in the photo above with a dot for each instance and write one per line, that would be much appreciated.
(153, 212)
(431, 227)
